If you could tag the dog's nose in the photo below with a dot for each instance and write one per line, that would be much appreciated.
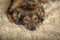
(16, 22)
(32, 28)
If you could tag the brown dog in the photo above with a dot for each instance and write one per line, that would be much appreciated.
(26, 12)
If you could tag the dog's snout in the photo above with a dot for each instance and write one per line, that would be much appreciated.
(17, 22)
(32, 28)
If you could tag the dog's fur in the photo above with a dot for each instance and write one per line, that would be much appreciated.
(26, 12)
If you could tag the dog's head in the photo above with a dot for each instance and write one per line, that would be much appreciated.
(29, 19)
(29, 14)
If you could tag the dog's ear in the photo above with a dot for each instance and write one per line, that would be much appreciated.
(43, 1)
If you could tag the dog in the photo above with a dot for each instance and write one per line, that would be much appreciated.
(26, 12)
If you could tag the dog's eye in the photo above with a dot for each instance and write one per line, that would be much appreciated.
(35, 18)
(26, 19)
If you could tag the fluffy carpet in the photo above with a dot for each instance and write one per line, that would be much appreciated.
(49, 30)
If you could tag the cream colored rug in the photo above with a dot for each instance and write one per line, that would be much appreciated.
(49, 30)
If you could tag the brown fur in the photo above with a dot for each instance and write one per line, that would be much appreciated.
(29, 13)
